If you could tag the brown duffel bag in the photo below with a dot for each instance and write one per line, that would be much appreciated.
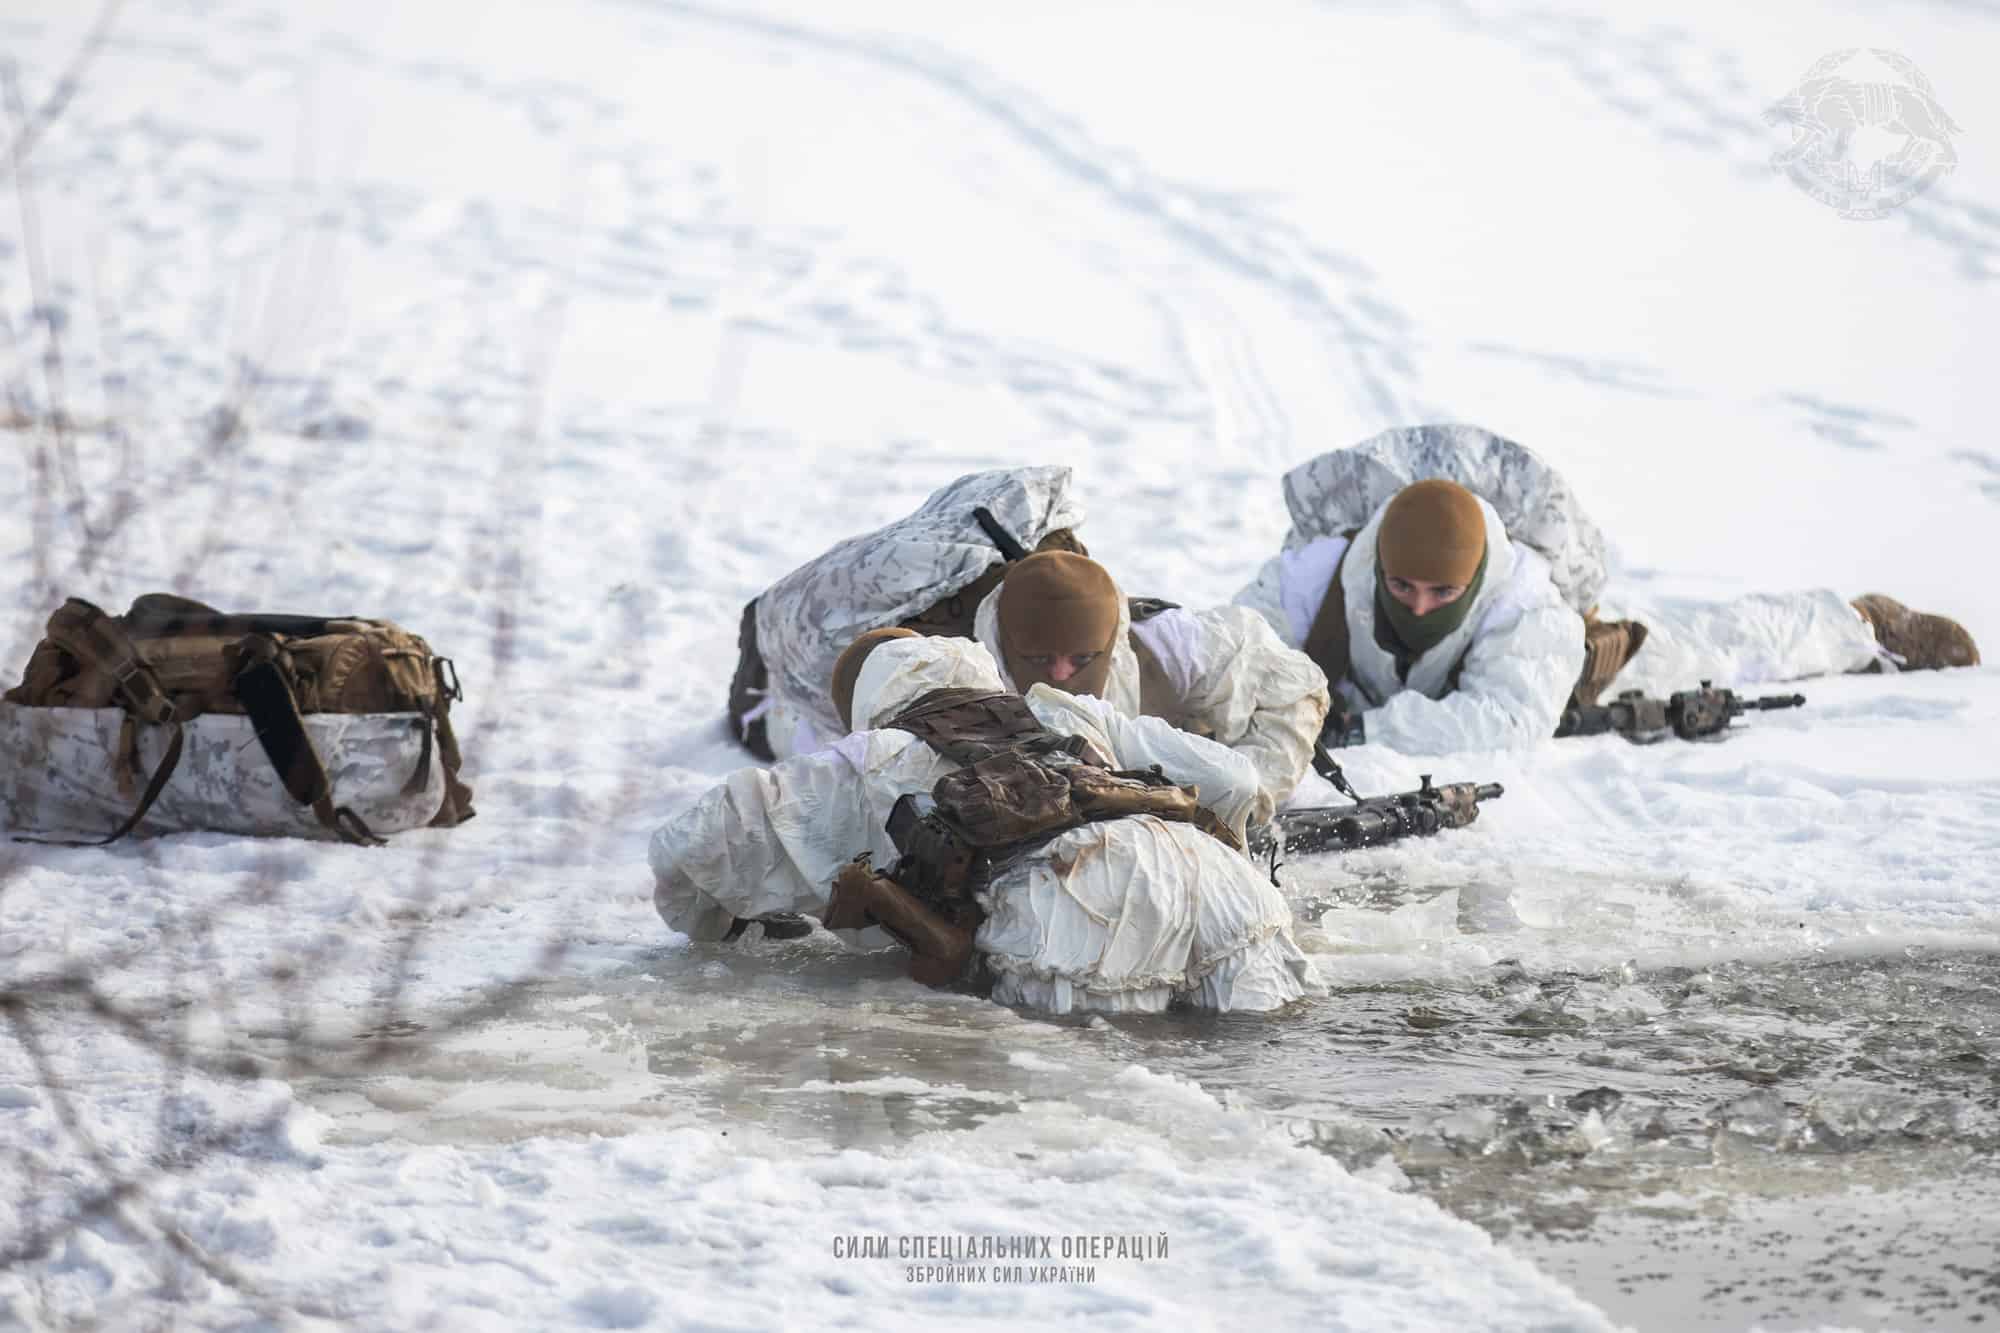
(170, 661)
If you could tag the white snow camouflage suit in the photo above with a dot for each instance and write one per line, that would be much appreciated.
(1222, 673)
(1522, 641)
(1119, 916)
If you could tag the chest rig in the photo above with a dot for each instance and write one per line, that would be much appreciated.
(1019, 786)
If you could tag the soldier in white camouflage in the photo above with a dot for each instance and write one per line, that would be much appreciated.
(1126, 915)
(1058, 618)
(1220, 673)
(1468, 613)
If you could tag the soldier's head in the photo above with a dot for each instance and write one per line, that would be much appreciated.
(1059, 615)
(1431, 545)
(886, 670)
(847, 668)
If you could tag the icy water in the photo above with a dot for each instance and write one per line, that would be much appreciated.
(1790, 1143)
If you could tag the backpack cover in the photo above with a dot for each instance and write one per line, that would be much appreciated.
(927, 570)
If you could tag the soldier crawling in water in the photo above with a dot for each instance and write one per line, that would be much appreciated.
(1112, 879)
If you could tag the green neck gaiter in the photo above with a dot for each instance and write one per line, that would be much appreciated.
(1406, 635)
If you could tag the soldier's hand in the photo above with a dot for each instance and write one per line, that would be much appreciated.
(1342, 727)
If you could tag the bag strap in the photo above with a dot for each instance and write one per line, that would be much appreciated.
(457, 807)
(98, 641)
(154, 786)
(158, 614)
(266, 695)
(420, 776)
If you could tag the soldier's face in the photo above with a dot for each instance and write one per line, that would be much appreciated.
(1070, 671)
(1059, 667)
(1422, 598)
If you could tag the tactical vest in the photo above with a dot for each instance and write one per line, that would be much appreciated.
(1019, 785)
(1327, 642)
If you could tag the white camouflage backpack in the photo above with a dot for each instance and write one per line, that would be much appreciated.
(927, 571)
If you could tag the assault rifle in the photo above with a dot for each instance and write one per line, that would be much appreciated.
(1691, 715)
(1370, 821)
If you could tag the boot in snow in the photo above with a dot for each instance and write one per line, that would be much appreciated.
(1607, 646)
(1919, 641)
(777, 926)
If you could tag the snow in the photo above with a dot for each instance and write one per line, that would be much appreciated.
(594, 325)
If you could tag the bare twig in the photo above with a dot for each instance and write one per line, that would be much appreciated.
(189, 1015)
(113, 389)
(230, 427)
(30, 129)
(220, 1270)
(120, 1188)
(64, 1105)
(43, 519)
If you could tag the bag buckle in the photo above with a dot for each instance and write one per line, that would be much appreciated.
(151, 704)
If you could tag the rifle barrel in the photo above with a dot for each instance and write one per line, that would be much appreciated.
(1771, 701)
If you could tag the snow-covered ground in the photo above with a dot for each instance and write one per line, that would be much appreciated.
(556, 333)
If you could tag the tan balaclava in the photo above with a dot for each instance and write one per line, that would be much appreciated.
(1432, 532)
(847, 667)
(1055, 603)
